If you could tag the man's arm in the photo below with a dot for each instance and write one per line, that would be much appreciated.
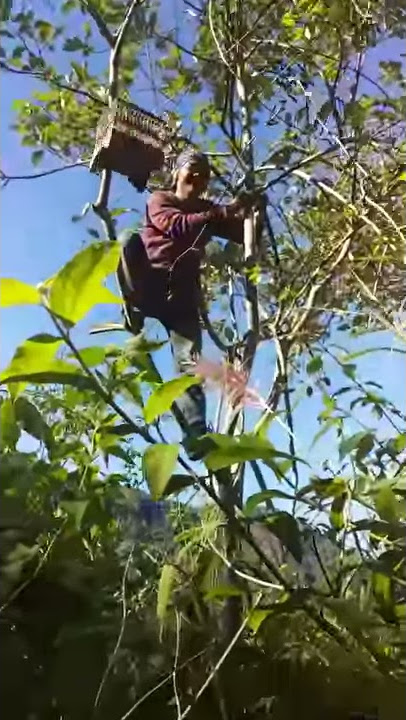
(175, 224)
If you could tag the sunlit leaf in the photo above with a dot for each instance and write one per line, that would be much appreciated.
(91, 356)
(9, 430)
(159, 462)
(256, 618)
(261, 497)
(78, 286)
(162, 399)
(165, 587)
(33, 356)
(34, 362)
(386, 504)
(337, 518)
(242, 448)
(15, 292)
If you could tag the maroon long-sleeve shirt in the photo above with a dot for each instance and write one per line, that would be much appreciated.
(174, 236)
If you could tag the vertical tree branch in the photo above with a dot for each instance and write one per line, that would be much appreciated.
(100, 207)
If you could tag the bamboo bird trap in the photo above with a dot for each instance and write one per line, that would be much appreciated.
(131, 142)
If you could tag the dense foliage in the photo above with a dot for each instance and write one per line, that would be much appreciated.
(121, 595)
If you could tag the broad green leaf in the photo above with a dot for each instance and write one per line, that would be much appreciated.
(365, 446)
(9, 430)
(159, 462)
(15, 292)
(31, 419)
(261, 497)
(242, 448)
(383, 589)
(220, 592)
(350, 444)
(165, 587)
(33, 356)
(330, 487)
(256, 618)
(285, 527)
(386, 504)
(34, 362)
(314, 365)
(337, 518)
(77, 287)
(178, 483)
(75, 509)
(91, 356)
(162, 399)
(399, 442)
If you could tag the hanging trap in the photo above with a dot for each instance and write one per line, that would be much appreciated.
(131, 142)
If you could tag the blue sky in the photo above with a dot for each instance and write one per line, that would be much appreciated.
(38, 237)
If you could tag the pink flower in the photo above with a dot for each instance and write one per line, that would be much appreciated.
(230, 381)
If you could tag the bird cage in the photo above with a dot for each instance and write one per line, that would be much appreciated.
(131, 142)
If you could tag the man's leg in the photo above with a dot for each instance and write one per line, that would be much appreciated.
(186, 340)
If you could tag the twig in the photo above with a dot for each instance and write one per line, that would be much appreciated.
(52, 81)
(175, 665)
(243, 575)
(122, 627)
(5, 179)
(162, 682)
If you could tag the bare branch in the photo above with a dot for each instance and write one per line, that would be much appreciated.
(5, 179)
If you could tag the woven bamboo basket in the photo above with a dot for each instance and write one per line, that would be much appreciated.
(131, 142)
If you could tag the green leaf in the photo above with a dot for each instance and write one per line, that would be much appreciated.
(166, 583)
(178, 483)
(220, 592)
(256, 619)
(77, 286)
(382, 586)
(337, 511)
(399, 442)
(161, 400)
(314, 365)
(329, 487)
(365, 446)
(261, 497)
(15, 292)
(9, 430)
(159, 462)
(75, 509)
(36, 157)
(349, 370)
(33, 356)
(242, 448)
(348, 445)
(73, 44)
(386, 504)
(91, 356)
(34, 362)
(31, 420)
(285, 527)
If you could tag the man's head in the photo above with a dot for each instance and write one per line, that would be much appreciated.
(192, 174)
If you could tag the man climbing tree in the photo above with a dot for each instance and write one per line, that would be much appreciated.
(159, 271)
